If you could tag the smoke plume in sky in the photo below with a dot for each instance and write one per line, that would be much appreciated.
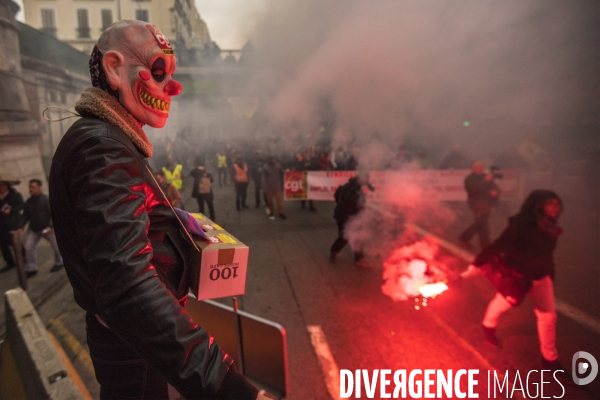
(389, 69)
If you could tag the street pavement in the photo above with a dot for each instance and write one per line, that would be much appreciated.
(336, 315)
(40, 287)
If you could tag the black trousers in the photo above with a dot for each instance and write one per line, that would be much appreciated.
(257, 191)
(481, 227)
(241, 192)
(341, 241)
(5, 245)
(122, 374)
(208, 198)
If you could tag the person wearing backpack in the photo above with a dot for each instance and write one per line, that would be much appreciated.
(202, 190)
(350, 199)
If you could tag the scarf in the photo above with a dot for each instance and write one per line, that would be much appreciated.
(97, 103)
(549, 226)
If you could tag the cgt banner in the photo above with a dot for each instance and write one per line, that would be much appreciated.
(433, 185)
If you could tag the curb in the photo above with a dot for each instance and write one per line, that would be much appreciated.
(37, 367)
(37, 297)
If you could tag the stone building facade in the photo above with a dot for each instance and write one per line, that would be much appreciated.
(37, 72)
(80, 22)
(20, 155)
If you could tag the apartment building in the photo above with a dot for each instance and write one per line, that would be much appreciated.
(80, 22)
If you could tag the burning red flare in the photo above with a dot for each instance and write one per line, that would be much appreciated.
(412, 271)
(433, 289)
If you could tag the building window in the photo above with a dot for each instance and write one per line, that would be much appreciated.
(48, 22)
(83, 29)
(106, 19)
(142, 15)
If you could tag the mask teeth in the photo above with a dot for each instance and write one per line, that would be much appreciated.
(155, 103)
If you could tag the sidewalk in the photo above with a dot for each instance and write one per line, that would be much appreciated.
(41, 286)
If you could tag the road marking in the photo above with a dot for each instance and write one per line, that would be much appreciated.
(577, 315)
(73, 344)
(566, 309)
(462, 253)
(452, 333)
(72, 372)
(328, 364)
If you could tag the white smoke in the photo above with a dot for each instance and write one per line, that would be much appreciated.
(389, 69)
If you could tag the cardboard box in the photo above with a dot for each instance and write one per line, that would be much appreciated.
(206, 223)
(224, 263)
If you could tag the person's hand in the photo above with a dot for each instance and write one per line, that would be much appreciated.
(489, 177)
(493, 193)
(471, 271)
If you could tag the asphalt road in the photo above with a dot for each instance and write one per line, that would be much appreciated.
(290, 281)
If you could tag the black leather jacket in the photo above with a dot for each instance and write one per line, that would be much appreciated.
(128, 259)
(523, 247)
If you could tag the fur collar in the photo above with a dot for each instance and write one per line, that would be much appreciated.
(97, 103)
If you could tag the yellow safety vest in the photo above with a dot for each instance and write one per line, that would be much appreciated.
(174, 177)
(221, 161)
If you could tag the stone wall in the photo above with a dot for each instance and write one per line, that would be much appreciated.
(49, 74)
(20, 155)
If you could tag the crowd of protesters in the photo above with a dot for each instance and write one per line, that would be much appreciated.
(255, 169)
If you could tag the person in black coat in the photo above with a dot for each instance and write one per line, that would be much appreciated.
(126, 252)
(350, 199)
(482, 194)
(255, 169)
(527, 246)
(37, 213)
(202, 190)
(11, 209)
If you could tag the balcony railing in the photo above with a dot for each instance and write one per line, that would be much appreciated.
(83, 33)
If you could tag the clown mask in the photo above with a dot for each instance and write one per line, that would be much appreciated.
(139, 64)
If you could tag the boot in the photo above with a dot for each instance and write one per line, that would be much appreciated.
(560, 372)
(490, 336)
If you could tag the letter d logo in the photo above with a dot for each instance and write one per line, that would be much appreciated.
(582, 367)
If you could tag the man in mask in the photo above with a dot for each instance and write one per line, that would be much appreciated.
(124, 250)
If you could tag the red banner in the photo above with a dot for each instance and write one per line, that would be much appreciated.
(433, 185)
